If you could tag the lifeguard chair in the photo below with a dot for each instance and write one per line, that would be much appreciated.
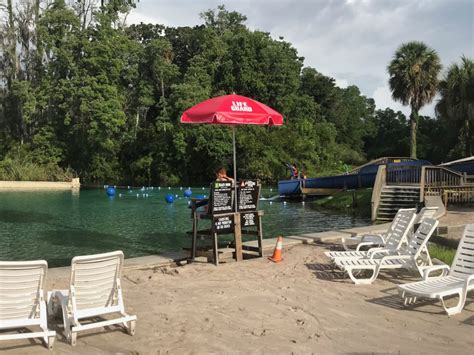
(225, 220)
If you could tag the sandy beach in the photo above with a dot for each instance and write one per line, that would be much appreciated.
(255, 306)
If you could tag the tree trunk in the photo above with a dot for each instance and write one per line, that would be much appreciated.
(11, 44)
(39, 44)
(467, 147)
(413, 128)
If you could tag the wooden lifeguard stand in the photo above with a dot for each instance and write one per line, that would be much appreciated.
(224, 220)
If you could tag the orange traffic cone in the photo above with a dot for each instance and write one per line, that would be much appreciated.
(276, 258)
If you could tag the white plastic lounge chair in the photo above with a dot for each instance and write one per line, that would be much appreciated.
(457, 280)
(22, 302)
(408, 256)
(396, 236)
(426, 212)
(375, 240)
(95, 290)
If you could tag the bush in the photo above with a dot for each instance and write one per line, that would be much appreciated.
(12, 169)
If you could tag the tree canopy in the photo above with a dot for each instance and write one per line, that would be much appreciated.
(413, 80)
(85, 93)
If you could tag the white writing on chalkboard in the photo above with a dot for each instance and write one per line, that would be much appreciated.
(248, 219)
(248, 195)
(222, 197)
(223, 223)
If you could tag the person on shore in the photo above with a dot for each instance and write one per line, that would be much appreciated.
(221, 175)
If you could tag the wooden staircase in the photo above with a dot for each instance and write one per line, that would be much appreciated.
(394, 197)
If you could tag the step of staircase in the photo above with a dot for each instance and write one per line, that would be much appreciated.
(394, 197)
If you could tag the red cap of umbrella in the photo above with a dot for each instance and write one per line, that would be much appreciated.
(232, 109)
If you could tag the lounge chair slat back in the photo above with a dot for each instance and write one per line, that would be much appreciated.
(95, 290)
(426, 212)
(94, 279)
(420, 238)
(21, 285)
(401, 228)
(463, 264)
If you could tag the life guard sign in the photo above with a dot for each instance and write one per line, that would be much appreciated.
(248, 194)
(222, 198)
(223, 224)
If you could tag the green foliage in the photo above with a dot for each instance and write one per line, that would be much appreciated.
(86, 92)
(457, 101)
(21, 167)
(414, 72)
(442, 253)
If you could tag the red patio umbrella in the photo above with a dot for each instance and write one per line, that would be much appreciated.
(232, 110)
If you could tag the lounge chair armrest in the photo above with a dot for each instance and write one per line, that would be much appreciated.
(365, 244)
(428, 270)
(469, 279)
(378, 235)
(344, 242)
(373, 251)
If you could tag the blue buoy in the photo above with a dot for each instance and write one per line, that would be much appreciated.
(110, 191)
(187, 193)
(169, 198)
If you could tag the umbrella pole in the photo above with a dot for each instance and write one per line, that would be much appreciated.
(235, 167)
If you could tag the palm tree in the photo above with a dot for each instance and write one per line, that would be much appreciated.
(413, 80)
(457, 99)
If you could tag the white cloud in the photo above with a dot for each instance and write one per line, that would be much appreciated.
(342, 83)
(352, 41)
(136, 17)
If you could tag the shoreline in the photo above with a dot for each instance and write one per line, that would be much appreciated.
(449, 231)
(300, 305)
(39, 185)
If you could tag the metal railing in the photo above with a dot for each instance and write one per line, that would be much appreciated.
(456, 195)
(403, 174)
(440, 176)
(432, 180)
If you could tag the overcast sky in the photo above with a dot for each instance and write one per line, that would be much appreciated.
(349, 40)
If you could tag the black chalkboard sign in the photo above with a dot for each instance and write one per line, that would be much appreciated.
(248, 194)
(221, 199)
(223, 224)
(248, 219)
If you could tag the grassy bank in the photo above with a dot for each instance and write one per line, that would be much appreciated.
(440, 252)
(24, 170)
(357, 200)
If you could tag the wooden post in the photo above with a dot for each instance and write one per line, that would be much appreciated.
(422, 184)
(237, 237)
(260, 235)
(216, 248)
(193, 244)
